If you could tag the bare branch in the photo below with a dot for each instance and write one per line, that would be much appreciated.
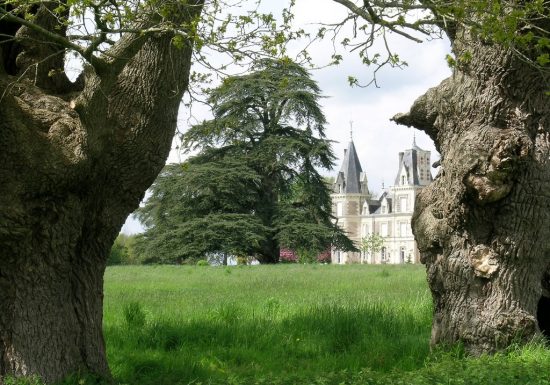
(54, 38)
(366, 15)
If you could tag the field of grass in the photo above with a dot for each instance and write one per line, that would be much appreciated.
(288, 324)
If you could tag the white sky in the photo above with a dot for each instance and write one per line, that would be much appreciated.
(377, 140)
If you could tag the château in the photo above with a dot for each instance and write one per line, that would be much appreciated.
(388, 217)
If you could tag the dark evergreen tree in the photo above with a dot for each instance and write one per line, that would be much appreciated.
(198, 209)
(254, 185)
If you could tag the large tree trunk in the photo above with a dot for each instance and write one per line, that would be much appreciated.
(483, 227)
(72, 167)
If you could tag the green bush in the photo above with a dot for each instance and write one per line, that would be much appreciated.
(119, 254)
(242, 260)
(307, 256)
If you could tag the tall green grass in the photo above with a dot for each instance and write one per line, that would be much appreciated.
(290, 324)
(287, 324)
(295, 322)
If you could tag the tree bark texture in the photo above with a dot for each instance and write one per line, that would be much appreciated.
(483, 227)
(73, 164)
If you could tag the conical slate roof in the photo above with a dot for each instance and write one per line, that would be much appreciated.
(351, 168)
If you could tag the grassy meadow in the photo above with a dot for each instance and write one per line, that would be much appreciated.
(289, 324)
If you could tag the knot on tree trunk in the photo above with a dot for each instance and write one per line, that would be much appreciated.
(517, 326)
(484, 261)
(430, 230)
(493, 177)
(43, 138)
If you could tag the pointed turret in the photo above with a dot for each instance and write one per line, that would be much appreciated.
(350, 179)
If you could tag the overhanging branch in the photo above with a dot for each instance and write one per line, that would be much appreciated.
(373, 19)
(96, 62)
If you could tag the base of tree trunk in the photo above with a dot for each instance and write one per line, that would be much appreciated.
(52, 298)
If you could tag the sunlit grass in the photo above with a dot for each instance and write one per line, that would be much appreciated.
(288, 324)
(291, 321)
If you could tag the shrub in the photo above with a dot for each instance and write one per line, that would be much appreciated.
(242, 260)
(288, 256)
(304, 256)
(119, 254)
(324, 257)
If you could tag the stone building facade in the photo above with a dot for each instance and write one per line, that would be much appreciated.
(388, 216)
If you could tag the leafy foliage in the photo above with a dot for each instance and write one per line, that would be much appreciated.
(199, 208)
(122, 251)
(93, 28)
(254, 185)
(372, 244)
(521, 27)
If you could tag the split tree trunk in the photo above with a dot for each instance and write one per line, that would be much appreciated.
(483, 227)
(73, 165)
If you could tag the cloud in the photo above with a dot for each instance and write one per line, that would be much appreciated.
(378, 140)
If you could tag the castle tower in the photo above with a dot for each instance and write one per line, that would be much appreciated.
(349, 192)
(413, 175)
(387, 217)
(414, 167)
(392, 220)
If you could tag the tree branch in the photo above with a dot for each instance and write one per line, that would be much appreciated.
(384, 23)
(96, 62)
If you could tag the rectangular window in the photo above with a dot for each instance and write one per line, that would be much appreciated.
(403, 229)
(403, 204)
(384, 229)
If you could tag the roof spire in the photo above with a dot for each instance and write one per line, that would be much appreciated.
(351, 169)
(415, 146)
(351, 130)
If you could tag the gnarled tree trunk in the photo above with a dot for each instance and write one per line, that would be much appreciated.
(75, 160)
(483, 227)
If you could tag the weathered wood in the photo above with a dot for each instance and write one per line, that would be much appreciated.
(482, 226)
(73, 165)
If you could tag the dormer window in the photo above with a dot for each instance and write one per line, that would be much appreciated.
(403, 179)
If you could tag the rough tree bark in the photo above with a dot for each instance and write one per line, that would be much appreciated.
(483, 227)
(75, 160)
